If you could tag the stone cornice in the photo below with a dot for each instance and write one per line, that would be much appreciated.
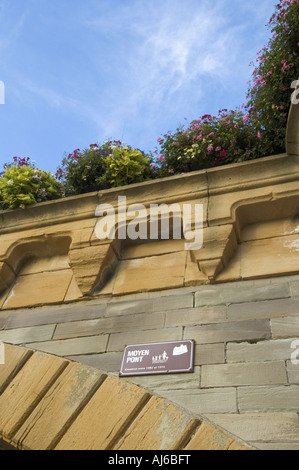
(255, 174)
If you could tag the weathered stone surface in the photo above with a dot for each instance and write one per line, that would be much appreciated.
(230, 331)
(209, 354)
(273, 350)
(53, 314)
(272, 251)
(36, 265)
(154, 248)
(110, 411)
(14, 359)
(91, 264)
(152, 273)
(240, 292)
(23, 393)
(109, 325)
(108, 362)
(74, 346)
(63, 400)
(159, 426)
(207, 437)
(267, 399)
(73, 291)
(169, 382)
(157, 304)
(53, 403)
(38, 289)
(27, 335)
(275, 427)
(286, 327)
(293, 372)
(217, 400)
(228, 375)
(294, 286)
(263, 309)
(7, 276)
(195, 316)
(118, 341)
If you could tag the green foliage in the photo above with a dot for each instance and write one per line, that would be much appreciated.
(102, 167)
(23, 185)
(276, 68)
(79, 171)
(125, 166)
(259, 129)
(209, 141)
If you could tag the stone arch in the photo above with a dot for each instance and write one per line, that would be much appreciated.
(21, 250)
(28, 271)
(51, 403)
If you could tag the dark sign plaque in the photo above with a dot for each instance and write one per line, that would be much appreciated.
(172, 357)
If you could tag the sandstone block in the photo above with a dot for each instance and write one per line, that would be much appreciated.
(260, 427)
(91, 264)
(293, 372)
(273, 350)
(158, 304)
(209, 354)
(230, 331)
(160, 425)
(263, 309)
(217, 400)
(74, 346)
(268, 399)
(26, 389)
(118, 341)
(39, 289)
(209, 438)
(151, 273)
(228, 375)
(14, 359)
(51, 314)
(109, 325)
(240, 292)
(27, 335)
(109, 412)
(273, 251)
(108, 362)
(195, 316)
(286, 327)
(64, 400)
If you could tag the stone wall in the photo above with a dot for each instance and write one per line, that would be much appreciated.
(243, 378)
(66, 292)
(92, 410)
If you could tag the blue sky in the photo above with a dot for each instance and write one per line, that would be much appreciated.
(78, 72)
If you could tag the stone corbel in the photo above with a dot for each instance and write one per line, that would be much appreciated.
(219, 245)
(93, 265)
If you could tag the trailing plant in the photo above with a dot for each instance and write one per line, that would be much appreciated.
(258, 129)
(275, 69)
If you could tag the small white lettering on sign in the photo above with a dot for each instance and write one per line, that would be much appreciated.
(137, 356)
